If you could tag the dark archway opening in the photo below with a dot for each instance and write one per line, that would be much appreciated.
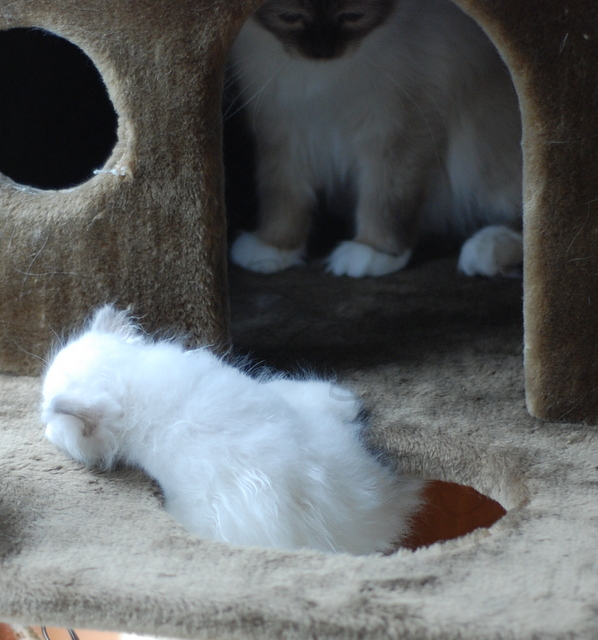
(57, 123)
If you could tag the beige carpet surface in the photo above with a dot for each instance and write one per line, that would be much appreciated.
(438, 360)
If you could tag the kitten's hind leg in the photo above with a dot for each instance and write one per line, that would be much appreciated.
(323, 395)
(493, 251)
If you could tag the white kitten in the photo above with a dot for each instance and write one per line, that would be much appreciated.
(407, 104)
(267, 462)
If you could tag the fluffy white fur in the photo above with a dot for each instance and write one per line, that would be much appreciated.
(255, 255)
(268, 462)
(421, 118)
(356, 259)
(494, 250)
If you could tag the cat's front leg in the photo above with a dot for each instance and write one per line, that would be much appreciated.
(385, 221)
(286, 202)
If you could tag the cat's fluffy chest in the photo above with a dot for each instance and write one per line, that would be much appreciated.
(304, 104)
(331, 114)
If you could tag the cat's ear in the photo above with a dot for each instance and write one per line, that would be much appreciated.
(86, 429)
(107, 319)
(89, 412)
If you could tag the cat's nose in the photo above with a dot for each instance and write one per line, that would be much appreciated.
(322, 44)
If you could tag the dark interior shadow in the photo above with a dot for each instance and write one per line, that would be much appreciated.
(306, 316)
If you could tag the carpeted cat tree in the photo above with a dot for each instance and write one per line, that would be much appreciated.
(437, 357)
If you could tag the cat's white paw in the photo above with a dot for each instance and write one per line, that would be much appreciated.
(492, 251)
(253, 254)
(358, 260)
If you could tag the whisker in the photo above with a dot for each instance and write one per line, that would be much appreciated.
(261, 96)
(234, 70)
(414, 79)
(258, 93)
(29, 353)
(61, 339)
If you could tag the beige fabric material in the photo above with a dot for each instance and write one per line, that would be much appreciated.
(438, 359)
(149, 231)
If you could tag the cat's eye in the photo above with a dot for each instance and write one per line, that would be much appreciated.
(291, 18)
(350, 17)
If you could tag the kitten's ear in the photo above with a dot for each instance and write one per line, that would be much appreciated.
(86, 429)
(88, 414)
(107, 319)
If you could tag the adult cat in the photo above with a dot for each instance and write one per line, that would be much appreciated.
(403, 103)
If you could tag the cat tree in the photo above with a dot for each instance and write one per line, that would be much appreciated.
(78, 549)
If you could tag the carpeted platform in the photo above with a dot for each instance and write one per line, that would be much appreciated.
(437, 359)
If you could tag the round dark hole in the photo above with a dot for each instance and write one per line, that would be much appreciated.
(57, 123)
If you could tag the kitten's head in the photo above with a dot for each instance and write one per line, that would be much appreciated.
(82, 395)
(322, 29)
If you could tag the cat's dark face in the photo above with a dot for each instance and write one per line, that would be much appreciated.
(322, 29)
